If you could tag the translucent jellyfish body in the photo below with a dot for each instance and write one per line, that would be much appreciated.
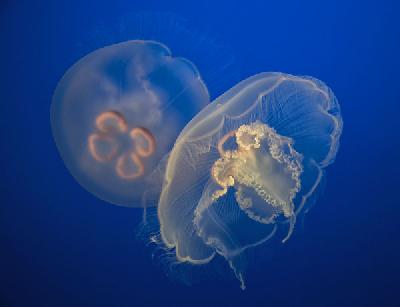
(247, 166)
(118, 111)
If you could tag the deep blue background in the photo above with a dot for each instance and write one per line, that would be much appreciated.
(59, 246)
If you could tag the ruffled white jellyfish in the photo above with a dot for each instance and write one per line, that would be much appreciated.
(247, 165)
(118, 111)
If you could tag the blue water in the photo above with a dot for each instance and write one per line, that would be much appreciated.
(62, 247)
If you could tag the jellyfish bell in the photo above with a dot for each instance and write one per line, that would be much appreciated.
(117, 112)
(246, 167)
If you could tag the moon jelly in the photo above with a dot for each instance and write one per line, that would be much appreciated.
(117, 112)
(246, 166)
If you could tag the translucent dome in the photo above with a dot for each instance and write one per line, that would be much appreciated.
(247, 165)
(118, 111)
